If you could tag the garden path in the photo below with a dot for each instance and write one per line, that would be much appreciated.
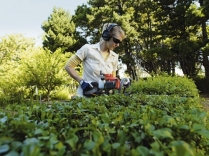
(205, 101)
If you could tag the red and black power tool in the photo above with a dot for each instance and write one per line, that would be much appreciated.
(107, 85)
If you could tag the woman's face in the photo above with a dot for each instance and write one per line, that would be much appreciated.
(115, 41)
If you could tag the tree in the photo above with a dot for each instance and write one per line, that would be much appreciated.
(181, 25)
(46, 70)
(13, 48)
(205, 9)
(60, 31)
(81, 22)
(160, 34)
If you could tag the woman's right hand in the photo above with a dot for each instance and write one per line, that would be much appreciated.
(86, 85)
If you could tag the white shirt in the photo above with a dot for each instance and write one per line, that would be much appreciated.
(93, 63)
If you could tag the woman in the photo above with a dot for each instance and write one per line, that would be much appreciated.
(96, 57)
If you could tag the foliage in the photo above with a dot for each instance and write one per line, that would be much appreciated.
(59, 31)
(159, 35)
(137, 124)
(45, 70)
(165, 85)
(114, 125)
(13, 48)
(25, 66)
(60, 93)
(82, 30)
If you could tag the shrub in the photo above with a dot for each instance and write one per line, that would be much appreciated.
(60, 93)
(161, 85)
(137, 124)
(113, 125)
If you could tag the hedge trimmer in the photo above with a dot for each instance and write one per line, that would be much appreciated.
(107, 85)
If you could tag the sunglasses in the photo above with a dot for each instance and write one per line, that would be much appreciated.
(115, 40)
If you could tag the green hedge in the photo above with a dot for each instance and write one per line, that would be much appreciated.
(161, 85)
(138, 124)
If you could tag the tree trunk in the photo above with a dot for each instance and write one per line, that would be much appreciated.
(131, 71)
(204, 38)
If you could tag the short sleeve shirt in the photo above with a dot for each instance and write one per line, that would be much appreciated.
(93, 63)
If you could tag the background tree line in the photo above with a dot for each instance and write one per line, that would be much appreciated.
(161, 35)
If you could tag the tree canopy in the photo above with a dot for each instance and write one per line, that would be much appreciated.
(160, 34)
(59, 31)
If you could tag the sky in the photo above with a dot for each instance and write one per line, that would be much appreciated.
(26, 16)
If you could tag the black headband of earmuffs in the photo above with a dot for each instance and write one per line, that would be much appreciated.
(106, 33)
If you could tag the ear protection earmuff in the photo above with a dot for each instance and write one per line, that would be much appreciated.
(106, 33)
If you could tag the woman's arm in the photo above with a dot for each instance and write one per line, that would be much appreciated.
(70, 67)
